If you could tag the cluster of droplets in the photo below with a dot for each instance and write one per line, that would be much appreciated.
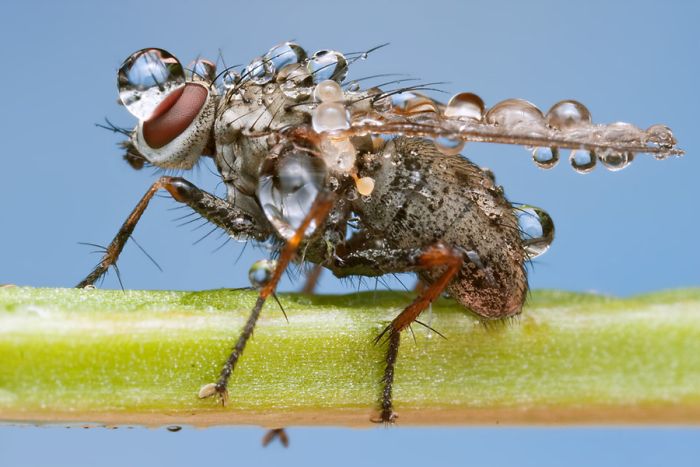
(536, 229)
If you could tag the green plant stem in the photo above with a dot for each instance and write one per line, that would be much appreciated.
(140, 357)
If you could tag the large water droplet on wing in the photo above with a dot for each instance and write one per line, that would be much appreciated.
(465, 106)
(536, 229)
(328, 64)
(661, 136)
(614, 160)
(545, 158)
(285, 54)
(288, 187)
(568, 114)
(146, 78)
(514, 112)
(261, 272)
(259, 71)
(582, 160)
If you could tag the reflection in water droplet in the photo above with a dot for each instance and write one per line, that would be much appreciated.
(261, 272)
(536, 229)
(288, 187)
(201, 69)
(661, 136)
(328, 91)
(353, 86)
(330, 116)
(285, 54)
(615, 160)
(174, 428)
(568, 114)
(228, 79)
(328, 64)
(412, 103)
(295, 81)
(582, 160)
(449, 147)
(545, 158)
(146, 78)
(259, 71)
(465, 106)
(514, 112)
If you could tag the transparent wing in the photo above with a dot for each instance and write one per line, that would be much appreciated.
(567, 125)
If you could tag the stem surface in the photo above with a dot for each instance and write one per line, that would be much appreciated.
(140, 357)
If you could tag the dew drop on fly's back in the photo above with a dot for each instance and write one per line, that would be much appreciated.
(536, 229)
(660, 136)
(465, 106)
(259, 71)
(615, 160)
(146, 78)
(545, 158)
(285, 54)
(261, 272)
(327, 64)
(228, 80)
(201, 69)
(582, 160)
(330, 116)
(568, 114)
(287, 189)
(328, 91)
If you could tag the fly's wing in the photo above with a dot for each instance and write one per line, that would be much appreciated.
(567, 125)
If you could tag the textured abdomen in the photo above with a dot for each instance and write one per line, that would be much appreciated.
(422, 196)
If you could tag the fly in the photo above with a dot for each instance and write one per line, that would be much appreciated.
(306, 154)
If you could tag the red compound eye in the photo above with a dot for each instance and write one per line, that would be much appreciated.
(174, 115)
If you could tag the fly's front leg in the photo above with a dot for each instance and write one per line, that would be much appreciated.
(318, 213)
(214, 209)
(438, 255)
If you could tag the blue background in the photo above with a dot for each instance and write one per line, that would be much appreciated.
(63, 181)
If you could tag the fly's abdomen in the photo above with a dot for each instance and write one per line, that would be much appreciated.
(422, 196)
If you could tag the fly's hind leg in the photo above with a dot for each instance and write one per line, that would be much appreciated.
(439, 256)
(318, 213)
(215, 210)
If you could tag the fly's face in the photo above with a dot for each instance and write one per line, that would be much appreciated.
(176, 110)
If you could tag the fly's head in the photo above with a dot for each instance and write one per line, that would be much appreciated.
(176, 109)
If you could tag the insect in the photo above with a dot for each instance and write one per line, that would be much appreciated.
(359, 181)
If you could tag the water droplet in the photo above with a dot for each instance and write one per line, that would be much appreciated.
(146, 78)
(338, 154)
(514, 112)
(615, 160)
(413, 103)
(261, 272)
(582, 160)
(174, 428)
(228, 79)
(536, 229)
(201, 69)
(328, 91)
(353, 86)
(288, 187)
(661, 136)
(295, 82)
(545, 158)
(260, 71)
(330, 116)
(365, 185)
(465, 106)
(328, 64)
(568, 114)
(285, 54)
(448, 146)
